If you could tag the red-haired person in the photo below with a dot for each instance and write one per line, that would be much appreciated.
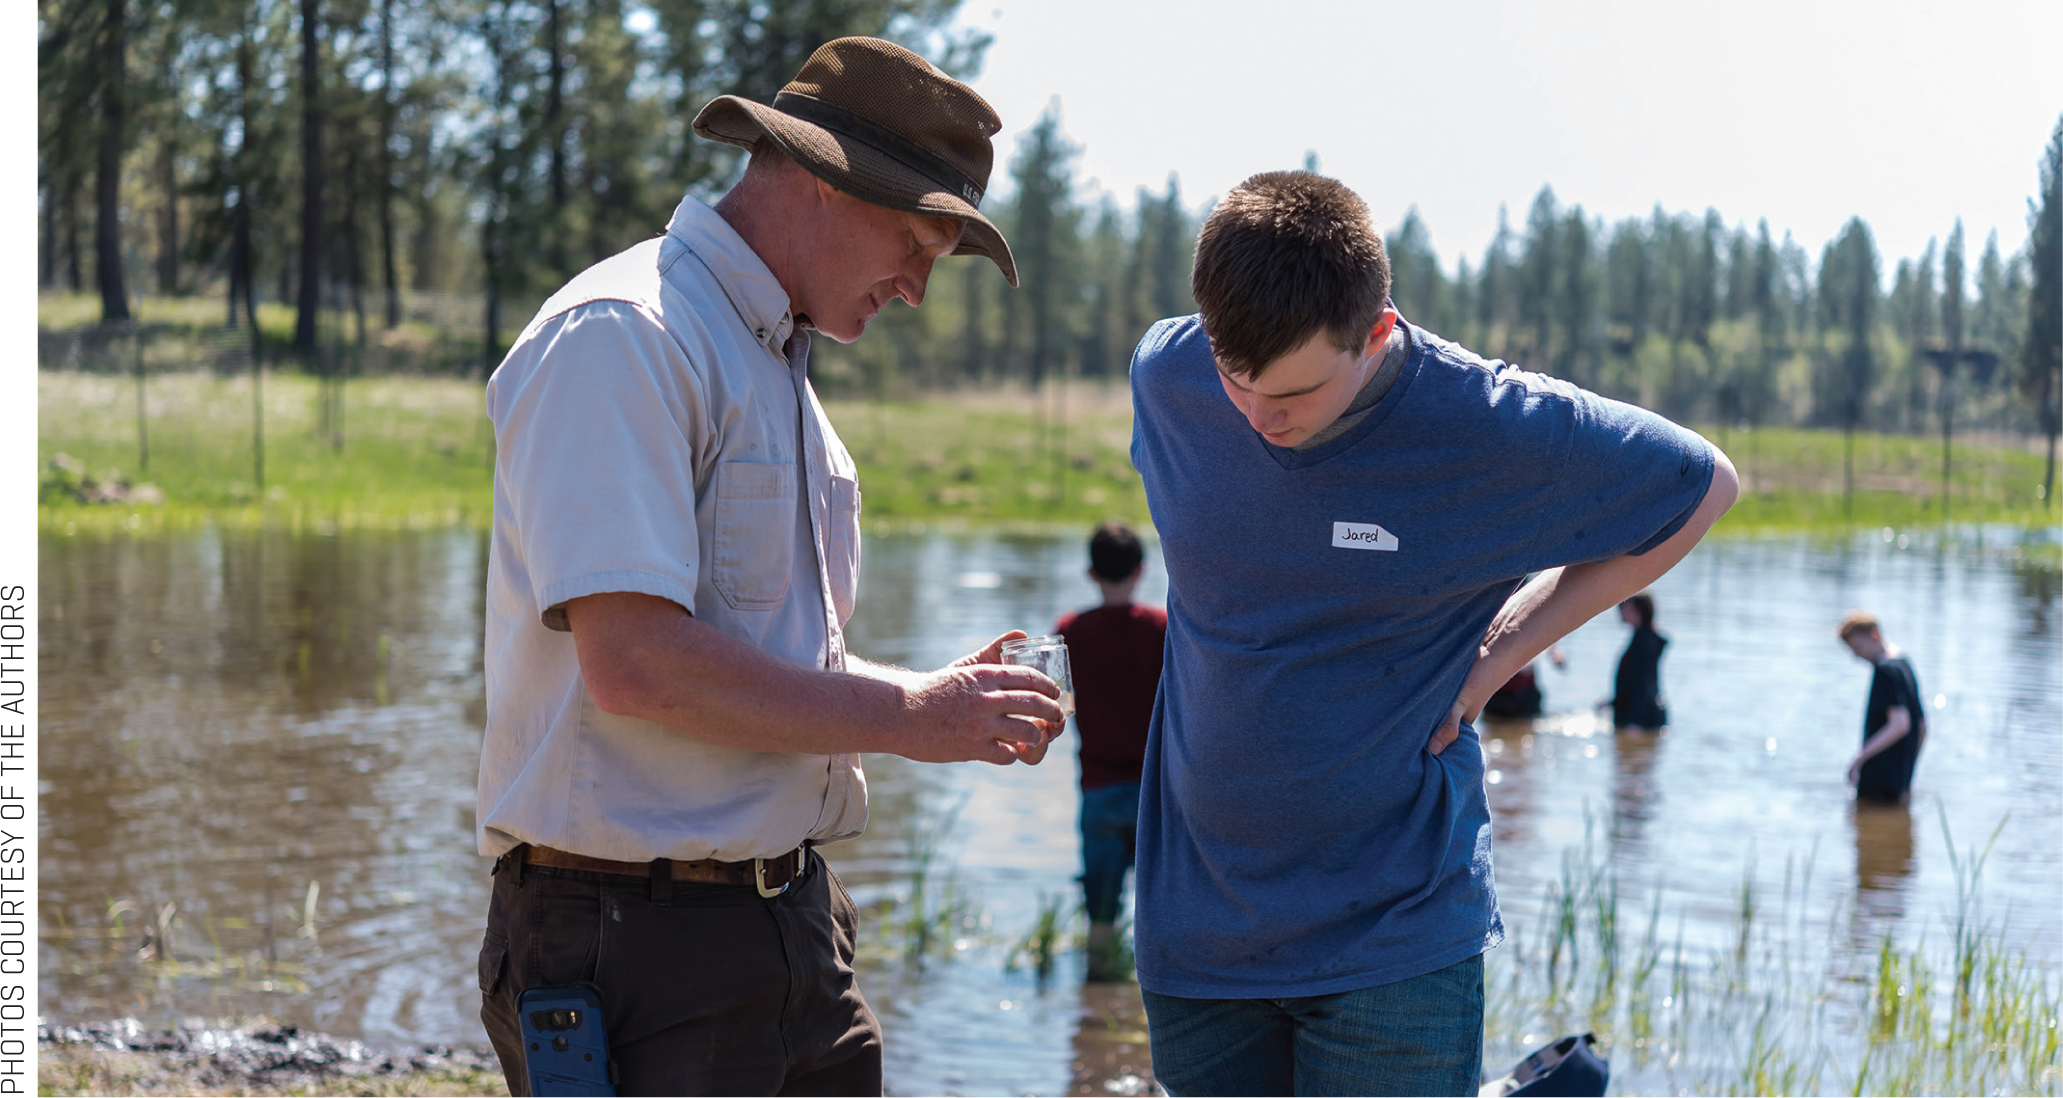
(1894, 724)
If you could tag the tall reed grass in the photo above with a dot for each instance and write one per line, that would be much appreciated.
(1767, 1010)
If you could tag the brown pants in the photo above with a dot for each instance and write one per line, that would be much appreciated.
(708, 990)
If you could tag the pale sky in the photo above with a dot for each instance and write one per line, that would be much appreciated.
(1806, 113)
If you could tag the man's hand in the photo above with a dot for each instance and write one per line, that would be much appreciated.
(977, 708)
(1030, 754)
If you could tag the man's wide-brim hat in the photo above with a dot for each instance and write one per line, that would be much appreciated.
(878, 122)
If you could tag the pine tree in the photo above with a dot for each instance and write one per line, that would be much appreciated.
(113, 142)
(1046, 227)
(1415, 282)
(2041, 361)
(1848, 303)
(1538, 273)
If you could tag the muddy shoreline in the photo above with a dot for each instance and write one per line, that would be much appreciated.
(125, 1056)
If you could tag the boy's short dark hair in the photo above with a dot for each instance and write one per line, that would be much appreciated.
(1284, 256)
(1114, 552)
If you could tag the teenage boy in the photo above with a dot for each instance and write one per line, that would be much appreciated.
(1348, 506)
(1894, 723)
(1114, 652)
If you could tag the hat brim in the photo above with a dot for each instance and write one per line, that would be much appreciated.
(855, 167)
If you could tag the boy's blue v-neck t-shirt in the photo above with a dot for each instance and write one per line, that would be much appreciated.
(1324, 607)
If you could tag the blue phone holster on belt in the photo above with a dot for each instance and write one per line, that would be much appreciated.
(565, 1049)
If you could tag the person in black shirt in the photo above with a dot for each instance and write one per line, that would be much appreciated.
(1636, 699)
(1894, 722)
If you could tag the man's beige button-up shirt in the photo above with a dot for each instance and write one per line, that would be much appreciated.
(656, 433)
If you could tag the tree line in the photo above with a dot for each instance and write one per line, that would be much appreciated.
(362, 158)
(344, 155)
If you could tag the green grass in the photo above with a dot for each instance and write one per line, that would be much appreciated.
(408, 452)
(1044, 941)
(418, 451)
(1007, 457)
(1793, 479)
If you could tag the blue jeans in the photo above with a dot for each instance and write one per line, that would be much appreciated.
(1110, 837)
(1418, 1036)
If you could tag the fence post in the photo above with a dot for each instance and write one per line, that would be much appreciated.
(142, 427)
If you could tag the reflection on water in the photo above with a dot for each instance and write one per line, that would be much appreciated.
(257, 771)
(260, 753)
(1883, 859)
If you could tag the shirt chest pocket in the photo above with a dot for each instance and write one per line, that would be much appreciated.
(754, 539)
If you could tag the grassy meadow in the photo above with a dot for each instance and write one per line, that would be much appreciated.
(409, 451)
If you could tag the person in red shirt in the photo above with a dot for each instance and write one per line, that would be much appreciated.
(1114, 653)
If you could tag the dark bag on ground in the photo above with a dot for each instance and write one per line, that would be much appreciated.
(1565, 1069)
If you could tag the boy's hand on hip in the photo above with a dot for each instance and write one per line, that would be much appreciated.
(1449, 730)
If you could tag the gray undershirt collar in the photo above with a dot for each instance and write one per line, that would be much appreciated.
(1395, 351)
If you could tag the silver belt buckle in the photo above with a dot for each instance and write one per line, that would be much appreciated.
(759, 875)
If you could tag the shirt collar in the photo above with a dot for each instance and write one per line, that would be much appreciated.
(754, 291)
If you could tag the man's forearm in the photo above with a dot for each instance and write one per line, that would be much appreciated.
(883, 672)
(651, 660)
(646, 657)
(1558, 600)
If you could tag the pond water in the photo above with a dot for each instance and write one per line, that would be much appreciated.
(259, 753)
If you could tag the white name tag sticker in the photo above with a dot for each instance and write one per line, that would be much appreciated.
(1363, 535)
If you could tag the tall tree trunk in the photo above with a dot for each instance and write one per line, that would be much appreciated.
(311, 179)
(971, 333)
(1848, 468)
(491, 344)
(1952, 336)
(1948, 415)
(236, 273)
(142, 420)
(386, 162)
(75, 260)
(168, 246)
(168, 177)
(2049, 470)
(241, 257)
(353, 260)
(491, 244)
(107, 232)
(242, 279)
(555, 130)
(46, 256)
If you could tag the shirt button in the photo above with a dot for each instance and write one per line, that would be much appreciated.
(759, 333)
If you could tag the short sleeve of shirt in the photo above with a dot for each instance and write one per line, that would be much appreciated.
(597, 431)
(1892, 686)
(1628, 481)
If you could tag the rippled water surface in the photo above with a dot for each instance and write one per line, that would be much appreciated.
(259, 753)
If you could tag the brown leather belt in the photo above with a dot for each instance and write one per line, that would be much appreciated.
(771, 876)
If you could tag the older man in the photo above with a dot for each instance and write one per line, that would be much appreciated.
(673, 720)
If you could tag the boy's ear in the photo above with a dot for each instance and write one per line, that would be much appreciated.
(1379, 335)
